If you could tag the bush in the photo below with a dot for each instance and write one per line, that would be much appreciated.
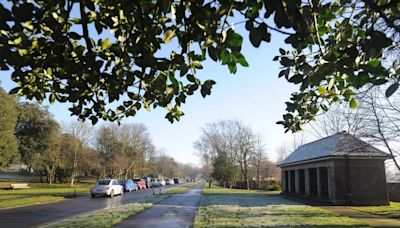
(274, 187)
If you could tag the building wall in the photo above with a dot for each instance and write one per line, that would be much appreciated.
(350, 181)
(360, 182)
(394, 191)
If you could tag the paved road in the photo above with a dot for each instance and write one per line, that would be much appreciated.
(178, 211)
(31, 216)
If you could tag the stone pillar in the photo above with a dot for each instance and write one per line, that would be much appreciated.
(307, 182)
(331, 183)
(319, 183)
(297, 181)
(289, 187)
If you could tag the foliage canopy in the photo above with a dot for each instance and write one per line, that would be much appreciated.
(63, 50)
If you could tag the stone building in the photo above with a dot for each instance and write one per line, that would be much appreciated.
(339, 169)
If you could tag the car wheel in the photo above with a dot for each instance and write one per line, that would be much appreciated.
(93, 195)
(112, 194)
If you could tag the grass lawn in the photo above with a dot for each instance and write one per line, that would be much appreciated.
(238, 208)
(110, 216)
(219, 190)
(391, 211)
(180, 189)
(29, 200)
(39, 193)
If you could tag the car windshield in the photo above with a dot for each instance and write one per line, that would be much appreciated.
(136, 180)
(104, 182)
(122, 181)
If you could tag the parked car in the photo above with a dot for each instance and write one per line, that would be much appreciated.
(162, 182)
(108, 187)
(177, 181)
(169, 181)
(154, 182)
(128, 185)
(141, 184)
(148, 181)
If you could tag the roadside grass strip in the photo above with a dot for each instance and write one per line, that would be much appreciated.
(219, 190)
(179, 190)
(28, 201)
(391, 211)
(110, 216)
(175, 191)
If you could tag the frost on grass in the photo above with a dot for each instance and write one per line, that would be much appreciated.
(259, 211)
(391, 211)
(110, 216)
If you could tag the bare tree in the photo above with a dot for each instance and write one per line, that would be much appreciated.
(232, 139)
(84, 133)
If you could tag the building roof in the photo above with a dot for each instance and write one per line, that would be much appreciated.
(339, 145)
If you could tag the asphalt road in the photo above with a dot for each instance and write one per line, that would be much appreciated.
(34, 215)
(178, 211)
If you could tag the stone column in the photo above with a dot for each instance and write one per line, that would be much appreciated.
(307, 182)
(319, 183)
(297, 181)
(331, 183)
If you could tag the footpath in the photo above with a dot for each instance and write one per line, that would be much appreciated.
(178, 211)
(364, 217)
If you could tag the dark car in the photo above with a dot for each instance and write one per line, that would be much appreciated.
(141, 184)
(129, 185)
(177, 181)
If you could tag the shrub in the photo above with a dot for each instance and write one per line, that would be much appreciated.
(274, 187)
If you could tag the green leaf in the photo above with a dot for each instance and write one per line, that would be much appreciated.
(256, 37)
(234, 39)
(106, 44)
(296, 79)
(206, 87)
(392, 89)
(94, 119)
(242, 60)
(23, 52)
(322, 90)
(374, 63)
(225, 57)
(197, 64)
(353, 103)
(212, 52)
(282, 51)
(168, 35)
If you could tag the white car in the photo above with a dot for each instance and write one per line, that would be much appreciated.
(108, 187)
(154, 183)
(161, 182)
(169, 181)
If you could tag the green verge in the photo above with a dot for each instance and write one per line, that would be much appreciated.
(391, 211)
(110, 216)
(179, 190)
(219, 190)
(29, 201)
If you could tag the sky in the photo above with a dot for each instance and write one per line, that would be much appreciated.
(254, 95)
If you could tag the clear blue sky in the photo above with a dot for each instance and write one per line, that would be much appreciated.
(254, 95)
